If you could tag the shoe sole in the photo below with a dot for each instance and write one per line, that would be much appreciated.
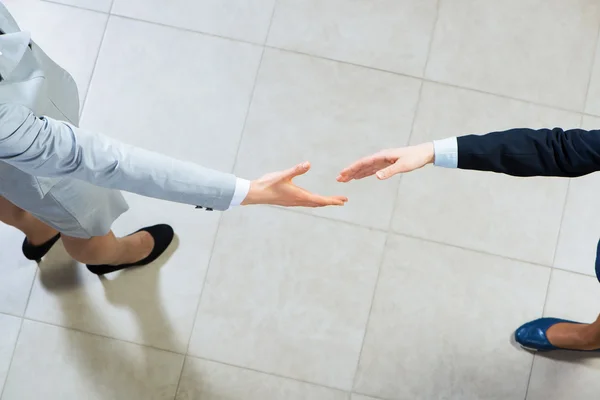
(529, 348)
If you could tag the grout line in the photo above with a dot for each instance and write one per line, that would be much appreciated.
(35, 276)
(12, 357)
(571, 272)
(270, 22)
(10, 314)
(23, 319)
(534, 355)
(406, 75)
(296, 210)
(438, 242)
(269, 373)
(180, 375)
(186, 355)
(89, 85)
(370, 396)
(112, 5)
(388, 234)
(221, 217)
(562, 217)
(212, 251)
(103, 336)
(432, 36)
(75, 6)
(250, 101)
(368, 319)
(179, 28)
(487, 253)
(182, 354)
(28, 297)
(429, 80)
(589, 83)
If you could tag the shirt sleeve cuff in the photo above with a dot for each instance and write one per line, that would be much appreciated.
(242, 187)
(446, 153)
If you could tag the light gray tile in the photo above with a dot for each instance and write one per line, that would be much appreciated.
(176, 92)
(239, 19)
(9, 331)
(208, 380)
(441, 324)
(393, 35)
(97, 5)
(56, 363)
(361, 397)
(592, 105)
(576, 250)
(504, 215)
(70, 36)
(521, 48)
(16, 271)
(573, 296)
(568, 375)
(288, 294)
(153, 305)
(329, 113)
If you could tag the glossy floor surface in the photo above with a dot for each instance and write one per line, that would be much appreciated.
(411, 291)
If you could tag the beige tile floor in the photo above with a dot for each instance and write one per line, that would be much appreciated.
(409, 292)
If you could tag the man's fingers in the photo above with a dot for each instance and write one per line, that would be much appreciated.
(366, 166)
(366, 172)
(389, 171)
(364, 169)
(352, 169)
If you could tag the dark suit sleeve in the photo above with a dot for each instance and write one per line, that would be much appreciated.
(529, 152)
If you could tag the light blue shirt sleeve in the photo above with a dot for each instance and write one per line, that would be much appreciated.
(45, 147)
(446, 153)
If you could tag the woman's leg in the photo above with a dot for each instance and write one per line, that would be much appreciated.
(35, 230)
(109, 249)
(97, 250)
(575, 336)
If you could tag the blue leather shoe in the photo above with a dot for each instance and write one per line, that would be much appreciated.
(598, 261)
(532, 335)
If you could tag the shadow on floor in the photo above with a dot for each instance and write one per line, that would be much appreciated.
(58, 272)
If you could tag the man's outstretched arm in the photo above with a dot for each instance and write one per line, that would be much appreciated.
(517, 152)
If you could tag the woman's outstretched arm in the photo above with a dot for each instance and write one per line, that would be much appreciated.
(45, 147)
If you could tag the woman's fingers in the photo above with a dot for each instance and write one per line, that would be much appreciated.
(309, 199)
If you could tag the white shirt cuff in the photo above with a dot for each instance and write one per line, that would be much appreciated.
(446, 153)
(242, 187)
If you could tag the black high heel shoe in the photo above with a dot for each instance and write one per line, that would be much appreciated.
(36, 253)
(163, 236)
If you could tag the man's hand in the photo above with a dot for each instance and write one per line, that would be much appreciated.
(277, 188)
(388, 163)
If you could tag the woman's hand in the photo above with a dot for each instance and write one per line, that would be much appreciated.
(277, 188)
